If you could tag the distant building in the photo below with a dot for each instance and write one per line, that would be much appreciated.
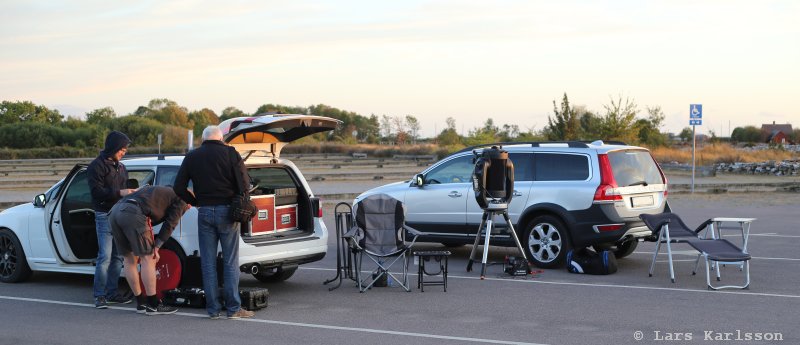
(776, 134)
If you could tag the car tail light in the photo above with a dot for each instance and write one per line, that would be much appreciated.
(607, 190)
(316, 207)
(663, 176)
(608, 227)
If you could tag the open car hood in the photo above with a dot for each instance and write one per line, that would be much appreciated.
(270, 133)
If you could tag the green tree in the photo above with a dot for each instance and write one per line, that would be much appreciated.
(413, 127)
(449, 136)
(591, 124)
(142, 131)
(747, 134)
(619, 122)
(11, 112)
(231, 112)
(101, 116)
(202, 119)
(686, 134)
(566, 124)
(649, 128)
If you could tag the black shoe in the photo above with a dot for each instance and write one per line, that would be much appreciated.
(100, 302)
(159, 310)
(119, 299)
(140, 309)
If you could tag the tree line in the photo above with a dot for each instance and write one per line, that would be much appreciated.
(620, 120)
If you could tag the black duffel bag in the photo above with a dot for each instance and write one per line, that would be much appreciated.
(585, 260)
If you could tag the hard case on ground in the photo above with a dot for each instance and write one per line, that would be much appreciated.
(254, 298)
(185, 297)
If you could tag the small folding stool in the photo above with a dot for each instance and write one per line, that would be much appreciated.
(432, 257)
(722, 251)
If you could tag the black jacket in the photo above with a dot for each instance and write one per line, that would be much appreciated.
(210, 167)
(106, 176)
(161, 205)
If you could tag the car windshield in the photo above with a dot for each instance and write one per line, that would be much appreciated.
(634, 167)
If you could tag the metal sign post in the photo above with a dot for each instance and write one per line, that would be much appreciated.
(159, 144)
(695, 119)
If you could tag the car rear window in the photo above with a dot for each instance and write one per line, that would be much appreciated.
(560, 167)
(634, 167)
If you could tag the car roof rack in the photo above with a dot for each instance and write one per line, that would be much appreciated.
(574, 144)
(160, 156)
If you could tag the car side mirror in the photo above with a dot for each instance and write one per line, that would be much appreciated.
(419, 179)
(132, 183)
(39, 200)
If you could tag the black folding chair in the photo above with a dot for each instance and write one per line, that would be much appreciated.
(669, 228)
(379, 234)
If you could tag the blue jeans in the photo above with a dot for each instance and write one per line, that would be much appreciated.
(109, 262)
(214, 226)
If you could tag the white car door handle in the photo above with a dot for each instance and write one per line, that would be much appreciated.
(454, 194)
(517, 193)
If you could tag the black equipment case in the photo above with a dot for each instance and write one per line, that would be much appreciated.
(254, 298)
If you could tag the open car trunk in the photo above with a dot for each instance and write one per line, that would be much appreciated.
(284, 206)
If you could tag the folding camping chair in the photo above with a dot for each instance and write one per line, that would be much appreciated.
(669, 228)
(379, 234)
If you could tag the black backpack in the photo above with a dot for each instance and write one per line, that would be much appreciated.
(586, 261)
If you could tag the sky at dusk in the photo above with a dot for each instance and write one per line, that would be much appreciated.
(470, 60)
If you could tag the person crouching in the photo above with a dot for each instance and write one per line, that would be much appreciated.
(132, 220)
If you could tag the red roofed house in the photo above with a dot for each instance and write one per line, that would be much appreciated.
(776, 134)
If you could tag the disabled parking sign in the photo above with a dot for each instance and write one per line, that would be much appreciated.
(695, 111)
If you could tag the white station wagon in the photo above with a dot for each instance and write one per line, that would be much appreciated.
(56, 232)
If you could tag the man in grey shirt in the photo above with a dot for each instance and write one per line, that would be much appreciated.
(132, 220)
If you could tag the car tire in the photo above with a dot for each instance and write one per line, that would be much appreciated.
(626, 248)
(275, 277)
(13, 264)
(546, 241)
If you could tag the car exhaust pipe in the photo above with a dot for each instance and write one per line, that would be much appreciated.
(254, 269)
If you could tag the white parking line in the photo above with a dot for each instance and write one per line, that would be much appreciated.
(296, 324)
(694, 253)
(535, 281)
(775, 235)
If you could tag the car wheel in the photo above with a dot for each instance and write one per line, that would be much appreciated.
(546, 241)
(625, 248)
(275, 277)
(13, 265)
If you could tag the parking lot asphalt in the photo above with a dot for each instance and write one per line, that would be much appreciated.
(553, 307)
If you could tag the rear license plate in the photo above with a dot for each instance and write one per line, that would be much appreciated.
(641, 201)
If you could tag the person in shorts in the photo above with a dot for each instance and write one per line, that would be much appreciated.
(132, 220)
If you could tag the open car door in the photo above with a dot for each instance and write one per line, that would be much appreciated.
(270, 133)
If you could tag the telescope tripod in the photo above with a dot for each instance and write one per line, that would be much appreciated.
(487, 220)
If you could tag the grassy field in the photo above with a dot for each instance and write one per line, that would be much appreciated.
(720, 153)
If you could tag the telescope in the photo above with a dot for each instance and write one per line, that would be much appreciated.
(493, 184)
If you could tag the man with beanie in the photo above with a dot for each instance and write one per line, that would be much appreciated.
(211, 168)
(107, 179)
(132, 220)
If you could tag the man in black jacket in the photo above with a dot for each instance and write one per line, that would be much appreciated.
(132, 221)
(107, 179)
(212, 168)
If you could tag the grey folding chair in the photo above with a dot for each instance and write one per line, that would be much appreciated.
(669, 228)
(379, 233)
